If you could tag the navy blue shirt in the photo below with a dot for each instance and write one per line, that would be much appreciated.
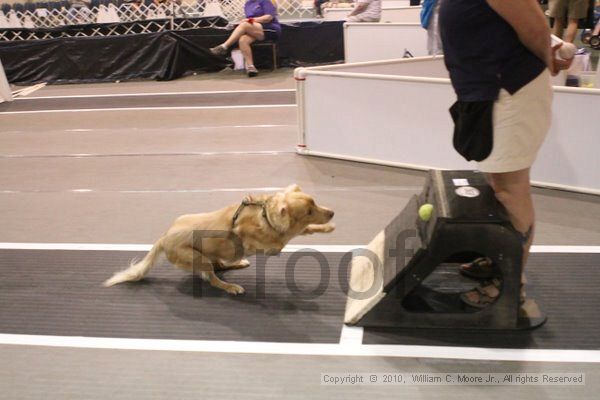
(483, 52)
(258, 8)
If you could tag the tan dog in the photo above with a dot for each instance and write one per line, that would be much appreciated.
(221, 239)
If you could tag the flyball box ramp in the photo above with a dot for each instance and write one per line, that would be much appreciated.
(408, 276)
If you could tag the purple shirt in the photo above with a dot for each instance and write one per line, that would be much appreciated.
(258, 8)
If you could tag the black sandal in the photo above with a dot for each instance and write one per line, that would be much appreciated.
(480, 268)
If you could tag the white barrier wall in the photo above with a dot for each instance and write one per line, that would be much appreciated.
(5, 92)
(383, 41)
(396, 115)
(388, 14)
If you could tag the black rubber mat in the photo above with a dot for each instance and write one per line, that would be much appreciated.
(179, 100)
(60, 293)
(566, 287)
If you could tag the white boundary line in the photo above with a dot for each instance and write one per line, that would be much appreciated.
(148, 109)
(307, 349)
(351, 335)
(191, 153)
(157, 94)
(342, 248)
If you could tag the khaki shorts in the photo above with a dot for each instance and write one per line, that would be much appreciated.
(521, 123)
(572, 9)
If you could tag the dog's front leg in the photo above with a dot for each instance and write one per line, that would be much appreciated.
(205, 267)
(313, 228)
(214, 280)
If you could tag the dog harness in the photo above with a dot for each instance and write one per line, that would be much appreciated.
(247, 202)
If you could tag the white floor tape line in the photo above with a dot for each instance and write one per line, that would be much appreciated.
(342, 248)
(199, 129)
(149, 109)
(166, 154)
(352, 335)
(307, 349)
(219, 190)
(184, 93)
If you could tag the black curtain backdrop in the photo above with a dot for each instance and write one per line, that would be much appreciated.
(161, 56)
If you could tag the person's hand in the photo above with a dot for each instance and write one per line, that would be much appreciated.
(558, 64)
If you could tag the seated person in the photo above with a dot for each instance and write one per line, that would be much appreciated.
(365, 11)
(318, 10)
(260, 24)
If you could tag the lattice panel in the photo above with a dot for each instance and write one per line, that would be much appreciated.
(41, 18)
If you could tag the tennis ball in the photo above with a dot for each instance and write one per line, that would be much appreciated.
(425, 212)
(567, 51)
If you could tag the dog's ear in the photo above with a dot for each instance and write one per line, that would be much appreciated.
(293, 188)
(279, 214)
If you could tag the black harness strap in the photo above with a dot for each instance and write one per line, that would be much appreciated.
(247, 202)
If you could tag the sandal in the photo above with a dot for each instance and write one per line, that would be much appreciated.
(483, 295)
(480, 268)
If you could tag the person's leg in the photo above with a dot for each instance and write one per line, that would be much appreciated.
(513, 190)
(559, 27)
(571, 30)
(558, 10)
(245, 42)
(245, 28)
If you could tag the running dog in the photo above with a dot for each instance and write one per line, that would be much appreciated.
(201, 243)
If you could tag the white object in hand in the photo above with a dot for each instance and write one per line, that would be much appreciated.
(566, 51)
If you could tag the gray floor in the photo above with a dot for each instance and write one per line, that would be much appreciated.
(37, 373)
(142, 168)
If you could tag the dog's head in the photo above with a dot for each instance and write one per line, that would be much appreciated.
(293, 210)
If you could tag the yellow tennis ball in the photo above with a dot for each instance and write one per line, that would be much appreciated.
(425, 212)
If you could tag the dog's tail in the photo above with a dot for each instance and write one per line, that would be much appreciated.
(137, 270)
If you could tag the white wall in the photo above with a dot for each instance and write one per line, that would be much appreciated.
(388, 14)
(382, 41)
(350, 113)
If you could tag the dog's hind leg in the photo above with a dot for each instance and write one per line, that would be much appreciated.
(191, 259)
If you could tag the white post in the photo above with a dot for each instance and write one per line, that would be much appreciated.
(5, 93)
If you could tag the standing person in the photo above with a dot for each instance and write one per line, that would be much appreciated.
(260, 24)
(499, 56)
(569, 11)
(429, 20)
(365, 11)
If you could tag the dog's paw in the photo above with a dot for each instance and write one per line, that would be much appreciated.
(234, 289)
(235, 265)
(327, 228)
